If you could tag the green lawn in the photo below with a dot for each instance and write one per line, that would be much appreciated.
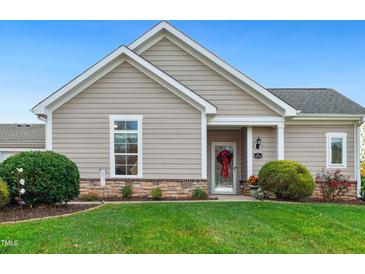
(207, 227)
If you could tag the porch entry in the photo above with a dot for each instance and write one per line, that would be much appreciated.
(224, 167)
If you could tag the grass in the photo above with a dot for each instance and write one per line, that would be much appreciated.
(206, 227)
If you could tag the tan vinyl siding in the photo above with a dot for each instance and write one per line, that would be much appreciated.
(228, 136)
(229, 99)
(171, 128)
(268, 146)
(23, 145)
(307, 144)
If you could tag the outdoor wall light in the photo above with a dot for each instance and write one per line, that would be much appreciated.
(258, 142)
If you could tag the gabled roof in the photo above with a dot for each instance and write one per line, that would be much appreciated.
(111, 61)
(32, 135)
(139, 46)
(318, 101)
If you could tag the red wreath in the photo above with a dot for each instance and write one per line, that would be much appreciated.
(224, 158)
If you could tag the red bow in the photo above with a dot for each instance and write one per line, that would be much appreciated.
(224, 158)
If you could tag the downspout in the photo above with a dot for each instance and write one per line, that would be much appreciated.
(357, 159)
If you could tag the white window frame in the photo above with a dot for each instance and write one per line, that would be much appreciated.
(112, 119)
(329, 137)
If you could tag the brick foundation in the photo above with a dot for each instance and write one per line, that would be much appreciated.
(349, 196)
(171, 188)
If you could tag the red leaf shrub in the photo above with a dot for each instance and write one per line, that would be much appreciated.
(333, 185)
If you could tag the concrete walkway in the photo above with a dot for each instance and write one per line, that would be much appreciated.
(220, 198)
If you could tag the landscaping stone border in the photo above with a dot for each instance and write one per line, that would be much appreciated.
(171, 188)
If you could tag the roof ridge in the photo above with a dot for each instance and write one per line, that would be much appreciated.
(215, 59)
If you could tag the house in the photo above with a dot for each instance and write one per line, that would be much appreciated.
(15, 138)
(160, 110)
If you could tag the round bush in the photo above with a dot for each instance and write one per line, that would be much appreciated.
(286, 179)
(127, 192)
(199, 194)
(4, 193)
(49, 177)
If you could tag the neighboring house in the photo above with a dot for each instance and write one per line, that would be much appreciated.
(15, 138)
(158, 112)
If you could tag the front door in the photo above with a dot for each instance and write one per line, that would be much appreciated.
(224, 168)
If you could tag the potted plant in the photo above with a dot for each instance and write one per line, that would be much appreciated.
(252, 182)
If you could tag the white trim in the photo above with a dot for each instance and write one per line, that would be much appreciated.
(234, 172)
(137, 45)
(329, 136)
(204, 144)
(357, 158)
(62, 99)
(49, 131)
(280, 142)
(105, 65)
(139, 119)
(249, 152)
(218, 120)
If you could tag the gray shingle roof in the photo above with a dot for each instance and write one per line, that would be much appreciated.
(317, 100)
(27, 135)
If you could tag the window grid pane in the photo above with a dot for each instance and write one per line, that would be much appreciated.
(126, 147)
(337, 150)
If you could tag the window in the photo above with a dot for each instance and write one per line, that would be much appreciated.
(336, 150)
(126, 146)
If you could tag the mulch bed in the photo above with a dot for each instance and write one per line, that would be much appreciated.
(317, 200)
(346, 202)
(12, 213)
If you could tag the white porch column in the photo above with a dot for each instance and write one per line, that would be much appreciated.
(249, 152)
(204, 144)
(280, 141)
(357, 158)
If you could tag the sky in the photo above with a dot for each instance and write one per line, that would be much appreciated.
(38, 57)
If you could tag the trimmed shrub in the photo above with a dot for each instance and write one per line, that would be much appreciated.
(49, 177)
(4, 193)
(286, 179)
(156, 193)
(127, 192)
(199, 194)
